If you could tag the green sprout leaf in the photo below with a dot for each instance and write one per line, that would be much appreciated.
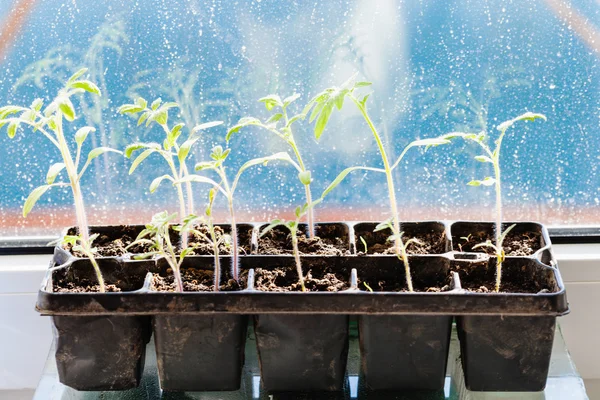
(67, 109)
(157, 181)
(274, 118)
(206, 125)
(33, 197)
(156, 103)
(305, 177)
(53, 172)
(246, 121)
(488, 181)
(98, 151)
(82, 134)
(77, 75)
(88, 86)
(130, 109)
(290, 99)
(343, 174)
(484, 159)
(271, 101)
(138, 160)
(12, 129)
(323, 120)
(528, 116)
(273, 224)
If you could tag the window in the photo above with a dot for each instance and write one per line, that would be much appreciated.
(436, 67)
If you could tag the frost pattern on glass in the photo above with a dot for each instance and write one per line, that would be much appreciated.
(436, 67)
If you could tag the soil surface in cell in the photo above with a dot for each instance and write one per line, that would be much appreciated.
(64, 285)
(113, 244)
(515, 244)
(194, 280)
(479, 285)
(378, 243)
(399, 285)
(203, 247)
(286, 280)
(279, 241)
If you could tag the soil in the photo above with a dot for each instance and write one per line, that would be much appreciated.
(112, 245)
(194, 280)
(205, 248)
(515, 244)
(83, 286)
(286, 280)
(506, 286)
(398, 285)
(377, 243)
(279, 241)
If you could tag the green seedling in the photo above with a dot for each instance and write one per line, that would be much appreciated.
(219, 156)
(280, 114)
(292, 226)
(49, 122)
(364, 242)
(368, 287)
(492, 156)
(156, 234)
(175, 154)
(321, 107)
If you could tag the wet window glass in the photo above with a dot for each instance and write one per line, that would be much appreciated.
(436, 67)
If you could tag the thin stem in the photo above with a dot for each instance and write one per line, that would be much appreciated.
(498, 223)
(170, 259)
(74, 179)
(215, 244)
(234, 233)
(297, 259)
(98, 272)
(188, 189)
(399, 247)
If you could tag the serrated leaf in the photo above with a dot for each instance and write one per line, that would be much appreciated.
(98, 151)
(484, 159)
(143, 118)
(53, 172)
(82, 134)
(185, 148)
(174, 133)
(67, 109)
(271, 101)
(157, 181)
(305, 177)
(363, 102)
(161, 117)
(77, 75)
(206, 125)
(140, 101)
(33, 197)
(138, 160)
(88, 86)
(316, 111)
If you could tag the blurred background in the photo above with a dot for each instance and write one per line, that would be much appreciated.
(436, 67)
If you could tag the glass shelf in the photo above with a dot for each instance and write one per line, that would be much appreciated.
(564, 383)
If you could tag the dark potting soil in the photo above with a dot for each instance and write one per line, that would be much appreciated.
(286, 280)
(515, 243)
(194, 280)
(398, 285)
(206, 248)
(83, 286)
(279, 241)
(112, 245)
(378, 243)
(507, 285)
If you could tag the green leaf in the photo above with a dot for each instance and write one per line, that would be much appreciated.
(282, 156)
(362, 84)
(339, 101)
(290, 99)
(53, 172)
(168, 105)
(275, 118)
(488, 181)
(66, 107)
(316, 111)
(363, 102)
(387, 224)
(156, 182)
(77, 75)
(140, 101)
(33, 197)
(295, 118)
(98, 151)
(305, 177)
(130, 109)
(8, 110)
(430, 142)
(37, 104)
(88, 86)
(161, 117)
(271, 101)
(206, 125)
(12, 129)
(174, 134)
(322, 121)
(82, 134)
(528, 116)
(273, 224)
(143, 118)
(156, 103)
(138, 160)
(484, 159)
(185, 148)
(343, 174)
(241, 123)
(204, 165)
